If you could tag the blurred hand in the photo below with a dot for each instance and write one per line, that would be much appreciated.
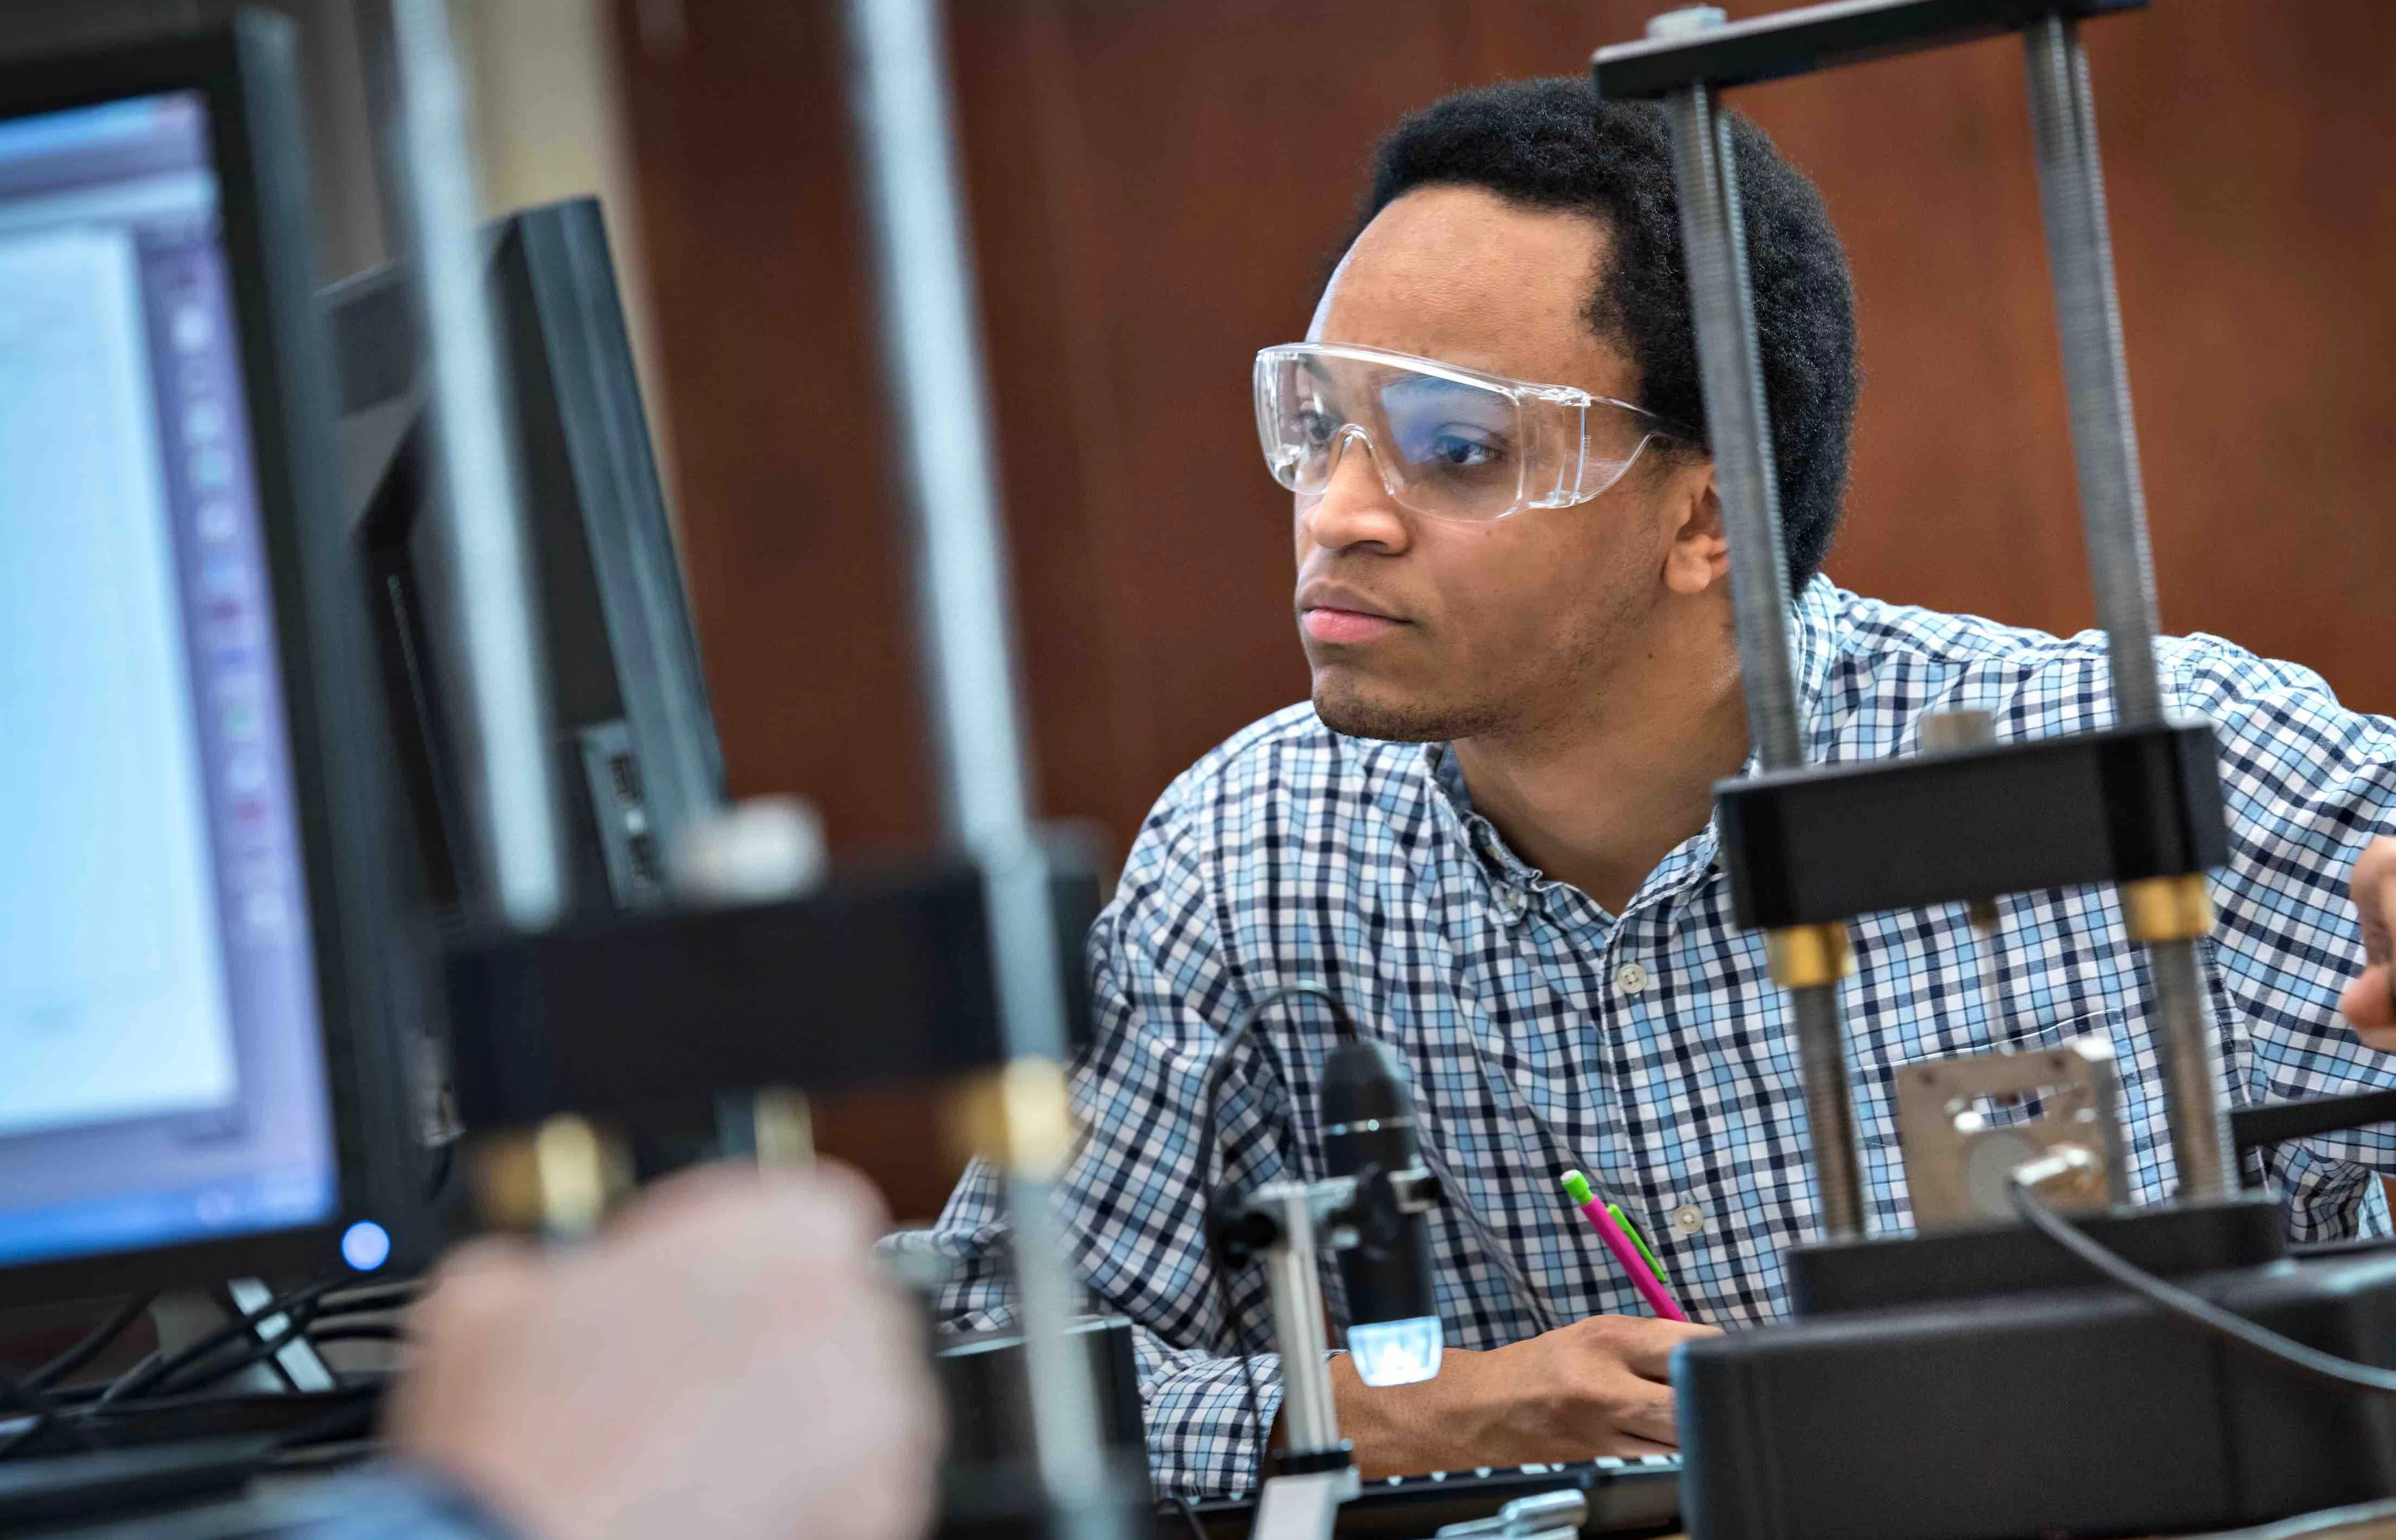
(721, 1362)
(2369, 1001)
(1598, 1386)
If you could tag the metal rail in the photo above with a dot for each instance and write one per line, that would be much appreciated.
(939, 398)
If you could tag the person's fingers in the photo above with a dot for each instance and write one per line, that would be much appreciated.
(2370, 1006)
(474, 1286)
(828, 1209)
(1642, 1409)
(2375, 871)
(1646, 1346)
(2370, 1001)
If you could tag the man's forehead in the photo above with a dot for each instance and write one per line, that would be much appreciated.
(1459, 275)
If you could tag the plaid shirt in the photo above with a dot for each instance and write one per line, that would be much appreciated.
(1650, 1048)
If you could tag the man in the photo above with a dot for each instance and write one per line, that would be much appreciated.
(1489, 832)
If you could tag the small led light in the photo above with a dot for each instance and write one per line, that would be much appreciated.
(1395, 1352)
(367, 1245)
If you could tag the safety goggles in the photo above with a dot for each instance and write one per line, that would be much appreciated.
(1450, 442)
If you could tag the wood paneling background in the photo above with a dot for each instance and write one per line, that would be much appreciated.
(1157, 191)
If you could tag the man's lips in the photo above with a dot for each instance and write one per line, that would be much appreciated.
(1340, 627)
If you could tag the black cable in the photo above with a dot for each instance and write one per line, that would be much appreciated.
(268, 1402)
(219, 1367)
(1226, 1048)
(354, 1419)
(157, 1370)
(1189, 1511)
(2237, 1330)
(373, 1297)
(95, 1342)
(47, 1412)
(361, 1332)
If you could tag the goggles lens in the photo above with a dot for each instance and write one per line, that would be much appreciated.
(1448, 443)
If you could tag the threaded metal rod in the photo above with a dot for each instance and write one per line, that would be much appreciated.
(1738, 427)
(2095, 375)
(1829, 1108)
(2194, 1113)
(2113, 514)
(1737, 423)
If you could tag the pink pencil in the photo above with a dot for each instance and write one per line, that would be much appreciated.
(1650, 1287)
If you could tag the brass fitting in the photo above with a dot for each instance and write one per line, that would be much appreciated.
(1021, 1116)
(1804, 956)
(784, 1128)
(559, 1179)
(2166, 909)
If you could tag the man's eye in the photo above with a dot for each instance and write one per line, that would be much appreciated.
(1464, 449)
(1316, 426)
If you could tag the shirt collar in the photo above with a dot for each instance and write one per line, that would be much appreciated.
(1816, 619)
(1814, 640)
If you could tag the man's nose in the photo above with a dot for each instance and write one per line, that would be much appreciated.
(1355, 509)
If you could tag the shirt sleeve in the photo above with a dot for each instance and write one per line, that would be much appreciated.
(1132, 1200)
(397, 1501)
(2306, 784)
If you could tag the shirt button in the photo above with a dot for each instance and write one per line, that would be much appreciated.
(1689, 1219)
(1631, 979)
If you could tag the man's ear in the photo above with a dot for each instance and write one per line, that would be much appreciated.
(1700, 556)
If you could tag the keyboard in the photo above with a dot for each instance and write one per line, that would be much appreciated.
(1637, 1495)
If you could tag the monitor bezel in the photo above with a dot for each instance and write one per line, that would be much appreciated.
(370, 967)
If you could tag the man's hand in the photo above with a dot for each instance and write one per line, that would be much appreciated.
(723, 1362)
(2370, 1001)
(1597, 1387)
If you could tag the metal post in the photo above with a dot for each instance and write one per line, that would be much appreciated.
(485, 549)
(1739, 425)
(1309, 1420)
(931, 345)
(2112, 505)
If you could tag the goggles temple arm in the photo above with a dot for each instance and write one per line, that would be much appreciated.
(1572, 460)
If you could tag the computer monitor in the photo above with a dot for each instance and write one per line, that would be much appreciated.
(195, 1076)
(633, 728)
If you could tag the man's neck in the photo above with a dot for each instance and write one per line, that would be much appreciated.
(1600, 797)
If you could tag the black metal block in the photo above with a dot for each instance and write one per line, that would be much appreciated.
(2080, 1411)
(1971, 1262)
(646, 1018)
(1816, 37)
(2253, 1128)
(1827, 844)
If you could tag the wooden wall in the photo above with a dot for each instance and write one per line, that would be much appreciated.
(1157, 190)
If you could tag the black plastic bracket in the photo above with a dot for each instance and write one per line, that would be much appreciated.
(643, 1020)
(2252, 1127)
(1825, 843)
(1980, 1261)
(1817, 38)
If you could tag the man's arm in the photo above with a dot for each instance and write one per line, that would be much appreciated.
(1132, 1200)
(2306, 785)
(1599, 1386)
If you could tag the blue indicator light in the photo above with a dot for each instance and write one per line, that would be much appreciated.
(365, 1245)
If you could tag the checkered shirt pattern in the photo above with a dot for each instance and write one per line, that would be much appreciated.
(1650, 1049)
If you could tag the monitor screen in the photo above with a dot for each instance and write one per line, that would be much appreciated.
(161, 1072)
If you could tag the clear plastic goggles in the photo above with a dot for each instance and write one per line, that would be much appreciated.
(1450, 442)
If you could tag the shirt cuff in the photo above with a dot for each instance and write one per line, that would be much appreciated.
(393, 1500)
(1202, 1441)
